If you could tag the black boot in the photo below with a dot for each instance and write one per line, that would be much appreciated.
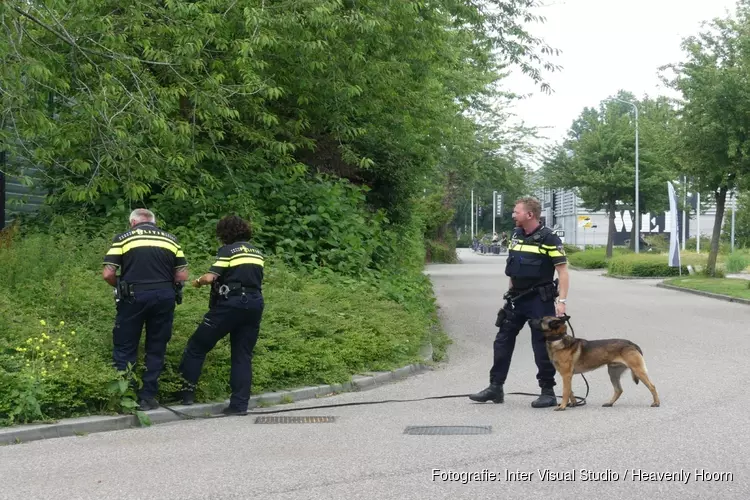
(546, 400)
(492, 393)
(188, 397)
(147, 404)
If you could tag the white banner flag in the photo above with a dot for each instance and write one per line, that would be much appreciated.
(674, 247)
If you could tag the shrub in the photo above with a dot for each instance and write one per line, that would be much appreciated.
(319, 326)
(438, 252)
(589, 259)
(737, 262)
(643, 265)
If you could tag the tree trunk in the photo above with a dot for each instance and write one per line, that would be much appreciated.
(611, 230)
(721, 200)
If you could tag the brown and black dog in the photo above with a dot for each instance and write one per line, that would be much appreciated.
(572, 355)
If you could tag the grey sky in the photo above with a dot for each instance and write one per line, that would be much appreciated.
(607, 45)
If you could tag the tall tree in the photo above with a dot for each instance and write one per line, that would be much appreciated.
(715, 124)
(598, 158)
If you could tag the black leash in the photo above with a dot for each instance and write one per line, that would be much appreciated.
(581, 400)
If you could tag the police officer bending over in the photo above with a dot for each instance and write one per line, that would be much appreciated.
(236, 308)
(535, 253)
(152, 266)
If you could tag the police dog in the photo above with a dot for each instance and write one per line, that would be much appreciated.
(572, 355)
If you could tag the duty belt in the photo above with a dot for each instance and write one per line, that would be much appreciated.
(228, 289)
(142, 287)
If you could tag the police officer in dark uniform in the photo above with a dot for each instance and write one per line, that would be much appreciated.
(152, 267)
(534, 254)
(236, 308)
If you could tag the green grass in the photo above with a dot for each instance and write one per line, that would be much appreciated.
(318, 328)
(734, 287)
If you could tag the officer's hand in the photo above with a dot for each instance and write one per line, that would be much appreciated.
(196, 283)
(560, 309)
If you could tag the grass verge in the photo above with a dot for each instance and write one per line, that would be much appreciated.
(733, 287)
(57, 314)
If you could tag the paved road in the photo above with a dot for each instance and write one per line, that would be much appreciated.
(696, 349)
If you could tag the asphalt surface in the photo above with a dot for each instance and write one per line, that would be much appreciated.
(696, 352)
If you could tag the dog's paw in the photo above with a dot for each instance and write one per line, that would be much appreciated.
(607, 405)
(654, 405)
(560, 408)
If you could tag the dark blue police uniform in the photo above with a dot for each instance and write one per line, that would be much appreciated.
(531, 266)
(148, 259)
(236, 310)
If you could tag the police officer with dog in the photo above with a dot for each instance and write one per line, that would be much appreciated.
(152, 269)
(535, 253)
(235, 308)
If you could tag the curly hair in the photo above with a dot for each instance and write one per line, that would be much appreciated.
(232, 228)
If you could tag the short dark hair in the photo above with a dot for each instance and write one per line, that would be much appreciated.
(232, 228)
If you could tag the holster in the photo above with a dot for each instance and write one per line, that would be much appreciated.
(213, 297)
(501, 315)
(122, 290)
(548, 292)
(178, 289)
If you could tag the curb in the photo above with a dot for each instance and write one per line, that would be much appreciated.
(618, 277)
(727, 298)
(92, 424)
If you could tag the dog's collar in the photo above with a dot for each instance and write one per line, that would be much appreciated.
(555, 338)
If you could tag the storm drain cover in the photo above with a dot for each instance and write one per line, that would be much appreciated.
(446, 430)
(294, 420)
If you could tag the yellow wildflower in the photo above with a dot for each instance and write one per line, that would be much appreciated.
(43, 323)
(62, 323)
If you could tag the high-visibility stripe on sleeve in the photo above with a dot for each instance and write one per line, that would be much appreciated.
(115, 251)
(220, 263)
(555, 253)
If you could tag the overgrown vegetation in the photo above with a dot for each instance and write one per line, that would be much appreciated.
(319, 327)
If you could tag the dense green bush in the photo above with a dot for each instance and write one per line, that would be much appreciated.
(319, 326)
(737, 262)
(589, 259)
(643, 265)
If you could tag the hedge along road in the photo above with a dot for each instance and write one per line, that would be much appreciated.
(695, 348)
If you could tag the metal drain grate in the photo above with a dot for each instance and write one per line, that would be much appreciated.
(445, 430)
(294, 420)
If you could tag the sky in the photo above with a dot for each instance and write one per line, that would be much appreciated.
(606, 45)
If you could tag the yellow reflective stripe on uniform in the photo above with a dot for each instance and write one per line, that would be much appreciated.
(245, 259)
(180, 253)
(555, 253)
(168, 245)
(115, 251)
(220, 263)
(526, 248)
(153, 237)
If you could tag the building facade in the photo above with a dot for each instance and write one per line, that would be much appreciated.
(563, 211)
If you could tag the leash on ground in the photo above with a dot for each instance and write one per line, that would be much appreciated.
(581, 401)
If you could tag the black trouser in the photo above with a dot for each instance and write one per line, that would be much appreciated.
(529, 307)
(241, 320)
(155, 309)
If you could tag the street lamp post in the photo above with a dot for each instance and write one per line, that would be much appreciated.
(637, 205)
